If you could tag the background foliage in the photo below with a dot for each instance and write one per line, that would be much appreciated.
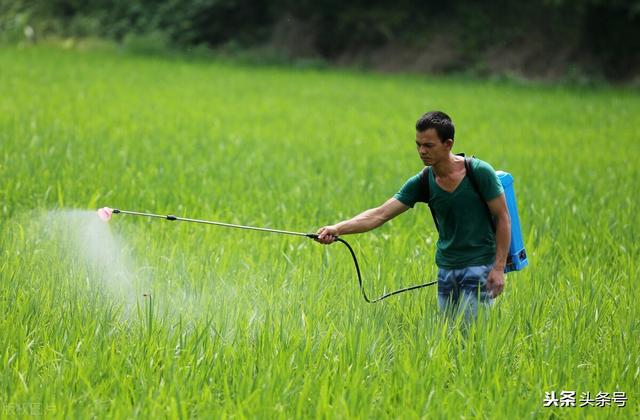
(598, 37)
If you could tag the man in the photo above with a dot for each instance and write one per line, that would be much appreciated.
(471, 250)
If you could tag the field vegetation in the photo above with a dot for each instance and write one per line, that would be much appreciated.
(248, 324)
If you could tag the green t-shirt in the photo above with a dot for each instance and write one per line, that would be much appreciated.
(466, 237)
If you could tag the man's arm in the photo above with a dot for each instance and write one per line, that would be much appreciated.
(364, 222)
(500, 213)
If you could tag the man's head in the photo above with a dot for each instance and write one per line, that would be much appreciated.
(434, 137)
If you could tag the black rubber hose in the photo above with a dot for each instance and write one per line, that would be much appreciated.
(364, 294)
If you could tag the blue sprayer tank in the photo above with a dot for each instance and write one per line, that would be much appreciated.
(517, 258)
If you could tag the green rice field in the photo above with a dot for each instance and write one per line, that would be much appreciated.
(146, 318)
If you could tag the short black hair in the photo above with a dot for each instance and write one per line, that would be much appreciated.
(439, 121)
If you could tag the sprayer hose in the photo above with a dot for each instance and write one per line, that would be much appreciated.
(364, 294)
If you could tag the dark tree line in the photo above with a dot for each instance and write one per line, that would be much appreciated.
(605, 34)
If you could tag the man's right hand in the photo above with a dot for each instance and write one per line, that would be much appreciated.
(327, 235)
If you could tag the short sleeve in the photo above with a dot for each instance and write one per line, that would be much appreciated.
(409, 194)
(488, 183)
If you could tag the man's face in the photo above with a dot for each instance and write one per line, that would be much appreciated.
(430, 148)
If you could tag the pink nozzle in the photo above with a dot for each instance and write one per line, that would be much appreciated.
(105, 213)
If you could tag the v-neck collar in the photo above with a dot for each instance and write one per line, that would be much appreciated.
(433, 176)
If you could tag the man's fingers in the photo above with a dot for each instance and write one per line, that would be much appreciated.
(491, 288)
(321, 234)
(328, 239)
(324, 238)
(325, 235)
(494, 290)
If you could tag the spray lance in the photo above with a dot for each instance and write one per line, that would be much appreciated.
(105, 214)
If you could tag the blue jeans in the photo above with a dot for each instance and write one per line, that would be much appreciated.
(461, 291)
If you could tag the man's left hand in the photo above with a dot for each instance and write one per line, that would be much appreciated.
(495, 282)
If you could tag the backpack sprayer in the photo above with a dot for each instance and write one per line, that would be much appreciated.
(516, 259)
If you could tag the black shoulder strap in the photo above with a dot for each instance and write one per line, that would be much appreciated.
(426, 189)
(471, 175)
(476, 187)
(424, 182)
